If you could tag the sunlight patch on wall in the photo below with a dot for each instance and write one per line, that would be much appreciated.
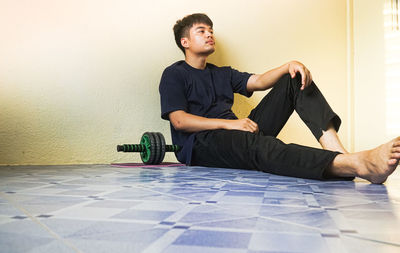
(392, 66)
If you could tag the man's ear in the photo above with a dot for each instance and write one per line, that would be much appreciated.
(185, 42)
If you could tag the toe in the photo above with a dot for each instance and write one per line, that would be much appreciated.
(395, 156)
(393, 162)
(396, 142)
(396, 150)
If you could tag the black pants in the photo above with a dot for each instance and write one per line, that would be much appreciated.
(263, 151)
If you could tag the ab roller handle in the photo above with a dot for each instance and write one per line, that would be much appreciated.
(152, 148)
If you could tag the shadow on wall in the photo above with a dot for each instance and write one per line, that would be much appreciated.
(242, 105)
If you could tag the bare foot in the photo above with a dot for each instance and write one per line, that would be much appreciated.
(378, 163)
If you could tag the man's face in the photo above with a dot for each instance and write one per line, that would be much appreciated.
(200, 41)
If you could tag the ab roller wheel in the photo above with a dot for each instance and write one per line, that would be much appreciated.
(152, 148)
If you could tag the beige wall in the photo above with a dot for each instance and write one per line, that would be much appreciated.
(368, 73)
(371, 113)
(79, 77)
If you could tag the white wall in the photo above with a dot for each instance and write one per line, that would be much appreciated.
(79, 77)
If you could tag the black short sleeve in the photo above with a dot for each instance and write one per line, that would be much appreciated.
(172, 92)
(239, 82)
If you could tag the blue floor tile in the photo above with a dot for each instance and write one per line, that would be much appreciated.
(101, 208)
(214, 239)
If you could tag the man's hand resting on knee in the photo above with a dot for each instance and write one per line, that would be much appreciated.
(295, 67)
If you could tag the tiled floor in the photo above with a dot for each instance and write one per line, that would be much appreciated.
(101, 208)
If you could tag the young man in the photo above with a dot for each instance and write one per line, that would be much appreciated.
(197, 97)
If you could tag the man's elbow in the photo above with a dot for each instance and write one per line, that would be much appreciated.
(177, 121)
(253, 84)
(177, 124)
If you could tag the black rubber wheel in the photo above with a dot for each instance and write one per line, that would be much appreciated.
(157, 148)
(161, 147)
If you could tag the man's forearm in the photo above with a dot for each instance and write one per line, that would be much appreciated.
(186, 122)
(268, 79)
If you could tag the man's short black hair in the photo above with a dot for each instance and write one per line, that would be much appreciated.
(182, 26)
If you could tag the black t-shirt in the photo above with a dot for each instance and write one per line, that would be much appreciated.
(207, 93)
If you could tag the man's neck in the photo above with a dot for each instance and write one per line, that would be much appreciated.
(198, 62)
